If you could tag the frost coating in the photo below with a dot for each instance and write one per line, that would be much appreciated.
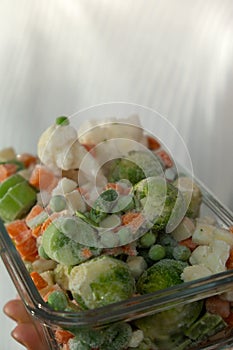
(101, 281)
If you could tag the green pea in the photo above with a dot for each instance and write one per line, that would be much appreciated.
(58, 301)
(147, 240)
(57, 203)
(157, 252)
(62, 121)
(181, 252)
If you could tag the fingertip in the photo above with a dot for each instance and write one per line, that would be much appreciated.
(28, 335)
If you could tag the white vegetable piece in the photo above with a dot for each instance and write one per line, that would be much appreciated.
(95, 131)
(137, 265)
(75, 202)
(59, 149)
(206, 234)
(213, 256)
(191, 273)
(64, 186)
(203, 233)
(113, 137)
(184, 230)
(136, 339)
(54, 146)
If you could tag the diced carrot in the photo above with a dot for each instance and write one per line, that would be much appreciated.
(7, 170)
(45, 224)
(153, 144)
(51, 290)
(229, 319)
(165, 158)
(27, 159)
(231, 229)
(229, 262)
(90, 148)
(117, 187)
(86, 252)
(28, 247)
(36, 231)
(43, 178)
(48, 221)
(189, 243)
(133, 219)
(216, 305)
(38, 280)
(31, 257)
(129, 249)
(22, 237)
(62, 336)
(16, 227)
(36, 210)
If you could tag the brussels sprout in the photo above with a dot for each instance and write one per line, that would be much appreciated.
(101, 281)
(166, 328)
(163, 274)
(161, 202)
(137, 165)
(63, 249)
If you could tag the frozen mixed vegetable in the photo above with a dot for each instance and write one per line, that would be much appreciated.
(97, 221)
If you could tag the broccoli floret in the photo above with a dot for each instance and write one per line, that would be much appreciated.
(101, 281)
(115, 337)
(163, 274)
(137, 165)
(103, 205)
(161, 202)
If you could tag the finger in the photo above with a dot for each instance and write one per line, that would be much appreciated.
(30, 336)
(15, 310)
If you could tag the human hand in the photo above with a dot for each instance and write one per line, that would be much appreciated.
(28, 332)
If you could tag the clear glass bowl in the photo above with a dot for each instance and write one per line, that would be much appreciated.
(128, 310)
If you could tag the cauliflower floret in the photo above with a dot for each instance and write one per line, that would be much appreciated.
(194, 272)
(54, 147)
(59, 149)
(206, 234)
(184, 230)
(213, 256)
(94, 131)
(114, 137)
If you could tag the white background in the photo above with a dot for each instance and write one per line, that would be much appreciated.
(175, 56)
